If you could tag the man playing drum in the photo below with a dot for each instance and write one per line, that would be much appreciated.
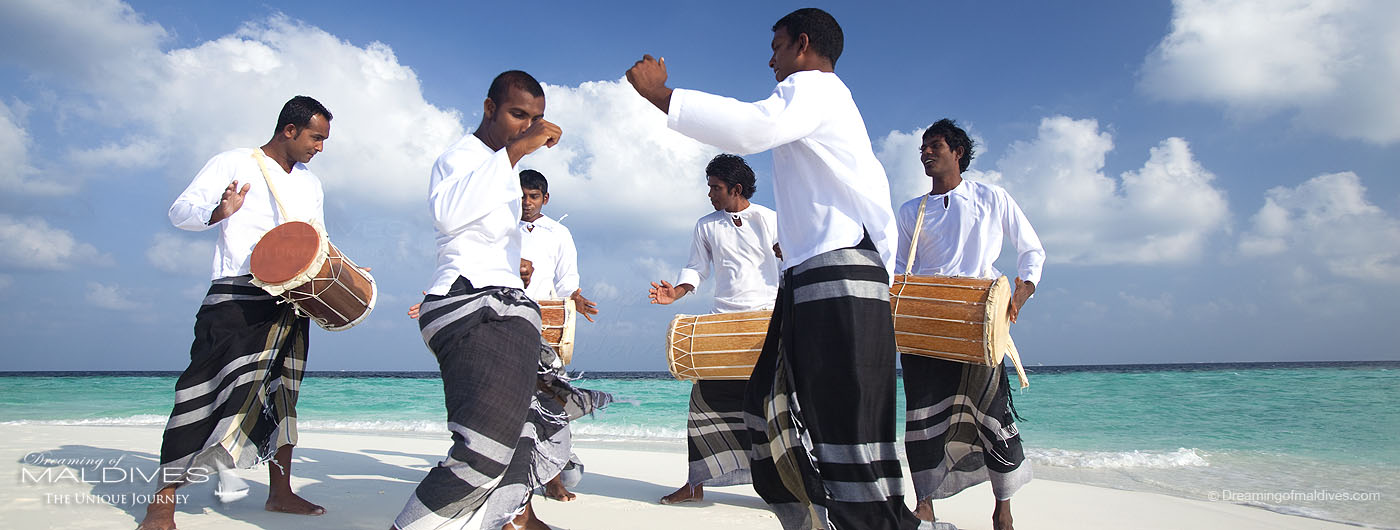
(960, 426)
(820, 403)
(484, 330)
(738, 242)
(549, 248)
(235, 404)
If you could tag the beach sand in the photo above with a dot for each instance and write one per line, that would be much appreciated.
(77, 477)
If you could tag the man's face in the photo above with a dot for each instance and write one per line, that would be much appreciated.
(508, 119)
(784, 60)
(309, 140)
(723, 196)
(531, 202)
(937, 158)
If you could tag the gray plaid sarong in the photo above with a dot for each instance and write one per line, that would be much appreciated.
(507, 405)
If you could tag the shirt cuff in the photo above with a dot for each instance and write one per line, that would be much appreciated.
(196, 219)
(673, 114)
(689, 276)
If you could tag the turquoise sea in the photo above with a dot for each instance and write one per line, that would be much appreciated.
(1314, 439)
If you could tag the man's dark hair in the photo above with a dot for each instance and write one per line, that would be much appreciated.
(823, 33)
(501, 85)
(732, 171)
(298, 111)
(955, 137)
(534, 180)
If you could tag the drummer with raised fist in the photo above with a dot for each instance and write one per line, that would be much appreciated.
(737, 245)
(964, 225)
(235, 404)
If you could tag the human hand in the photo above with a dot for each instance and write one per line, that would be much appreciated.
(665, 293)
(230, 202)
(1023, 292)
(583, 305)
(527, 269)
(542, 133)
(648, 76)
(413, 311)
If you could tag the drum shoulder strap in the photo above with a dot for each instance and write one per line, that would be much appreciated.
(272, 188)
(914, 241)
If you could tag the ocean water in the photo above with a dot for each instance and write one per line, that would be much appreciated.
(1311, 439)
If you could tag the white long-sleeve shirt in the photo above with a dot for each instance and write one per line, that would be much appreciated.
(300, 191)
(741, 258)
(474, 197)
(550, 248)
(828, 184)
(965, 238)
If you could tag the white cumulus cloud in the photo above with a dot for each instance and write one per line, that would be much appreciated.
(1163, 212)
(1335, 63)
(1326, 221)
(16, 173)
(383, 139)
(180, 255)
(114, 297)
(30, 243)
(617, 166)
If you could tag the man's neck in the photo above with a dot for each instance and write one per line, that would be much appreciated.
(278, 155)
(945, 183)
(480, 134)
(741, 205)
(532, 219)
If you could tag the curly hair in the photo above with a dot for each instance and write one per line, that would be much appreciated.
(732, 171)
(955, 137)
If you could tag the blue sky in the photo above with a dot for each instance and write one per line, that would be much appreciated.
(1213, 181)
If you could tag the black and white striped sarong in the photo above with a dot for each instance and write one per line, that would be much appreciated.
(507, 406)
(960, 429)
(716, 438)
(820, 406)
(235, 404)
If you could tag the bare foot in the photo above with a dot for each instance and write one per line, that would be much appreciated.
(293, 504)
(1001, 516)
(526, 521)
(555, 489)
(686, 493)
(924, 510)
(160, 514)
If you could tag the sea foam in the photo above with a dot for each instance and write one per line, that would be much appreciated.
(1181, 457)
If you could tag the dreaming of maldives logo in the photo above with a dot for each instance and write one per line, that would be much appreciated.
(87, 470)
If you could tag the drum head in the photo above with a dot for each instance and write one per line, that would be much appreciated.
(285, 252)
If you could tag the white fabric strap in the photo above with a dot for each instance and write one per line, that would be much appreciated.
(259, 156)
(914, 241)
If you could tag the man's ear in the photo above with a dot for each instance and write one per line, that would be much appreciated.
(546, 199)
(290, 132)
(488, 108)
(804, 44)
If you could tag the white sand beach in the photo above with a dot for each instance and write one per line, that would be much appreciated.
(77, 477)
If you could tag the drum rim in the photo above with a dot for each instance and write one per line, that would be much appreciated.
(307, 274)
